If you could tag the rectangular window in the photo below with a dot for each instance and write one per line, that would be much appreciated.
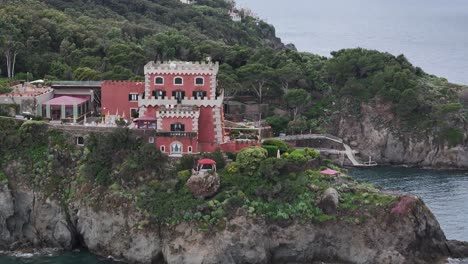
(178, 95)
(134, 112)
(159, 94)
(133, 97)
(177, 127)
(199, 94)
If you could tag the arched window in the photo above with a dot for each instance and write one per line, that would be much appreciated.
(159, 80)
(151, 140)
(162, 148)
(178, 81)
(190, 149)
(176, 148)
(199, 81)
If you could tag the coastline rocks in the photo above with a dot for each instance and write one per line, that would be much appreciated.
(409, 234)
(116, 234)
(329, 201)
(27, 220)
(204, 184)
(378, 133)
(458, 249)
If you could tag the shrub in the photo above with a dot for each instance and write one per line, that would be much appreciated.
(3, 177)
(282, 146)
(272, 168)
(447, 108)
(272, 150)
(453, 136)
(297, 157)
(312, 153)
(187, 162)
(249, 159)
(231, 155)
(184, 175)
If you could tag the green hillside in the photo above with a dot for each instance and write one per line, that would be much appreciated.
(96, 40)
(114, 39)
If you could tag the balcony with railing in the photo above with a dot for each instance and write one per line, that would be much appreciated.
(176, 134)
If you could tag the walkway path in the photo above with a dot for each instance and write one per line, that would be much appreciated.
(348, 151)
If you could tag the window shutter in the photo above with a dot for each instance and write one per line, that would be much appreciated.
(194, 94)
(182, 127)
(154, 94)
(129, 97)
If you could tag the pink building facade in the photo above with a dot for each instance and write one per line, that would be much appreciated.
(181, 101)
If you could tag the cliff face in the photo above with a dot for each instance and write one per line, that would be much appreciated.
(408, 233)
(26, 220)
(376, 132)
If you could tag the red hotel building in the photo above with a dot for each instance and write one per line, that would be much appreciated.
(178, 99)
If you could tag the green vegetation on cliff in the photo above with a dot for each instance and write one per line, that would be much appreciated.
(117, 170)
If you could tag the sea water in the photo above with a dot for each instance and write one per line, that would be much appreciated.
(433, 34)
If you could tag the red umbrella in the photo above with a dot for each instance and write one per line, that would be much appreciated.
(329, 172)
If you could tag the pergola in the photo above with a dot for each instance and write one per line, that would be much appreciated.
(205, 165)
(66, 108)
(145, 122)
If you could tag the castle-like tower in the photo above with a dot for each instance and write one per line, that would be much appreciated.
(183, 99)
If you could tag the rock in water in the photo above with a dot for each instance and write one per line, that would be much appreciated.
(204, 185)
(329, 201)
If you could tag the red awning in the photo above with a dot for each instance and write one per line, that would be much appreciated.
(329, 172)
(146, 118)
(206, 162)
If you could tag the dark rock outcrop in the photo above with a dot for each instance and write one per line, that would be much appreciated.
(203, 185)
(379, 134)
(329, 201)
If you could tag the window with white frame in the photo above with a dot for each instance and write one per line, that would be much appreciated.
(162, 148)
(151, 140)
(80, 141)
(159, 80)
(176, 148)
(190, 149)
(178, 81)
(199, 81)
(133, 97)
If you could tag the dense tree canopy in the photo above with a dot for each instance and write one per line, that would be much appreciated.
(96, 40)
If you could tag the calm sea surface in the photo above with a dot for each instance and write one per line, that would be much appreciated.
(433, 34)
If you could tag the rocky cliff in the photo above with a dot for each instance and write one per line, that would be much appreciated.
(376, 131)
(408, 233)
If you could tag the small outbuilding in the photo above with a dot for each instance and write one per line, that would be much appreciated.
(205, 165)
(66, 108)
